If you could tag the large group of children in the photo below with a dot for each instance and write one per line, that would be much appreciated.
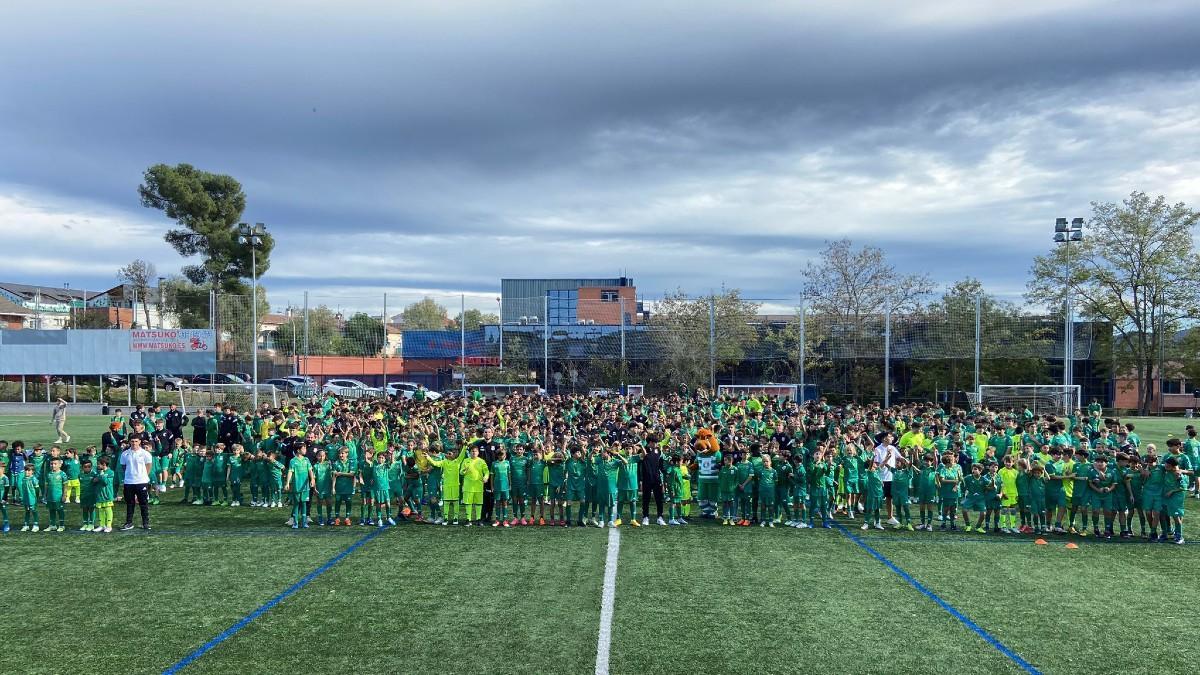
(577, 460)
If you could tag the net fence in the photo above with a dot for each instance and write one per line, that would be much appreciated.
(564, 342)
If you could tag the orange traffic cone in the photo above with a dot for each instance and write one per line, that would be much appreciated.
(1040, 542)
(1072, 544)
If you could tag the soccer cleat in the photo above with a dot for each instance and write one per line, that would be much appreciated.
(495, 523)
(197, 502)
(84, 528)
(507, 524)
(61, 528)
(771, 524)
(672, 522)
(445, 523)
(294, 526)
(645, 521)
(660, 521)
(617, 522)
(893, 521)
(391, 521)
(909, 527)
(541, 521)
(25, 528)
(1178, 540)
(612, 523)
(878, 525)
(634, 523)
(600, 525)
(865, 527)
(682, 521)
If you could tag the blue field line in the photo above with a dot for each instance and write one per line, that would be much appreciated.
(268, 605)
(962, 618)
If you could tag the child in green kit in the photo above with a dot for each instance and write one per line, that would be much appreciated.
(104, 482)
(902, 478)
(53, 490)
(366, 485)
(727, 489)
(27, 493)
(1102, 484)
(72, 468)
(850, 476)
(537, 487)
(87, 496)
(765, 478)
(220, 475)
(818, 499)
(1174, 489)
(208, 476)
(274, 481)
(519, 468)
(5, 488)
(323, 485)
(501, 482)
(235, 473)
(799, 491)
(992, 496)
(949, 478)
(744, 472)
(873, 495)
(1036, 498)
(577, 487)
(927, 492)
(675, 489)
(382, 489)
(343, 486)
(974, 499)
(300, 481)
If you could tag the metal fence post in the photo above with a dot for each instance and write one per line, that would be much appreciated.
(74, 390)
(887, 358)
(22, 389)
(546, 341)
(978, 337)
(621, 301)
(712, 344)
(802, 346)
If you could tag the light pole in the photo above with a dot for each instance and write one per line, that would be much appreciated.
(162, 318)
(295, 358)
(1065, 233)
(253, 237)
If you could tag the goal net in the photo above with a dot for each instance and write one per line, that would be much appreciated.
(502, 390)
(773, 391)
(1040, 399)
(241, 396)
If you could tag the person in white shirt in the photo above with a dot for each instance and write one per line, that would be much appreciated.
(138, 462)
(885, 459)
(59, 417)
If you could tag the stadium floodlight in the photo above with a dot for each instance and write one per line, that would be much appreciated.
(1064, 233)
(253, 237)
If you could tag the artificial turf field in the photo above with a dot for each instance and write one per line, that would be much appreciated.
(704, 598)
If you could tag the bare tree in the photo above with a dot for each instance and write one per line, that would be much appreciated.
(138, 275)
(855, 288)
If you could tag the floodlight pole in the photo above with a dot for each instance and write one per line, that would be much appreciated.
(1065, 233)
(253, 237)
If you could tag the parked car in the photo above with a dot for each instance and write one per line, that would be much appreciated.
(350, 388)
(168, 382)
(280, 384)
(218, 378)
(303, 386)
(452, 393)
(407, 389)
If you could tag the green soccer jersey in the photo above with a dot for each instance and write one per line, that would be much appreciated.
(501, 475)
(627, 475)
(537, 474)
(323, 474)
(727, 480)
(379, 475)
(235, 468)
(54, 485)
(576, 468)
(343, 485)
(87, 488)
(301, 468)
(71, 468)
(901, 483)
(27, 490)
(519, 470)
(103, 480)
(743, 470)
(947, 474)
(766, 481)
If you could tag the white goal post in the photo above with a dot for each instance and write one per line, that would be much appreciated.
(1040, 399)
(501, 390)
(774, 391)
(241, 396)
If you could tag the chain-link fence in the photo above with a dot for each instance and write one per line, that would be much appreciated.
(566, 343)
(580, 341)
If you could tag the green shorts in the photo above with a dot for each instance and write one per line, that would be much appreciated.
(1102, 501)
(627, 495)
(1152, 501)
(380, 496)
(577, 493)
(537, 491)
(517, 491)
(1055, 500)
(1173, 505)
(974, 503)
(502, 495)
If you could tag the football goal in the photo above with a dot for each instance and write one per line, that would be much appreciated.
(1040, 399)
(192, 397)
(773, 391)
(501, 390)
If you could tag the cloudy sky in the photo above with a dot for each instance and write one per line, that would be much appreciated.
(437, 147)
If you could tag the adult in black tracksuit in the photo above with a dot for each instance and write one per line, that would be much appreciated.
(200, 429)
(227, 429)
(651, 473)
